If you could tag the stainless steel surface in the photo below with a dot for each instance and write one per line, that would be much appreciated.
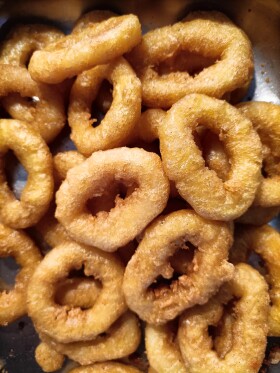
(260, 19)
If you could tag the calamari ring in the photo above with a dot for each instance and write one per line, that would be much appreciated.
(210, 34)
(34, 155)
(163, 350)
(64, 161)
(119, 121)
(19, 44)
(120, 340)
(96, 44)
(161, 240)
(217, 160)
(183, 162)
(47, 116)
(146, 128)
(249, 328)
(93, 17)
(60, 322)
(109, 367)
(18, 245)
(265, 241)
(148, 188)
(48, 359)
(265, 118)
(257, 215)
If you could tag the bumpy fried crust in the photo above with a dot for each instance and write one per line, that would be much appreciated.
(146, 128)
(34, 155)
(257, 215)
(93, 17)
(120, 340)
(148, 188)
(18, 245)
(47, 115)
(249, 328)
(19, 45)
(48, 359)
(210, 34)
(78, 292)
(184, 164)
(265, 241)
(68, 324)
(163, 350)
(161, 240)
(64, 161)
(119, 121)
(265, 118)
(106, 367)
(96, 44)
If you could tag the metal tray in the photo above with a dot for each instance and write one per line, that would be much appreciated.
(260, 19)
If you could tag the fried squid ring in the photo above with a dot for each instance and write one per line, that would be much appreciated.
(32, 152)
(20, 44)
(265, 118)
(163, 350)
(106, 367)
(119, 121)
(183, 162)
(67, 324)
(96, 44)
(148, 188)
(46, 115)
(209, 34)
(248, 344)
(257, 215)
(19, 246)
(146, 128)
(265, 241)
(93, 17)
(160, 241)
(217, 160)
(48, 359)
(64, 161)
(120, 340)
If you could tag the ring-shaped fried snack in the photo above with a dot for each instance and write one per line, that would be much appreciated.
(161, 240)
(48, 359)
(163, 350)
(147, 193)
(119, 121)
(18, 46)
(46, 113)
(201, 187)
(265, 241)
(93, 17)
(249, 333)
(265, 118)
(96, 44)
(120, 340)
(34, 155)
(107, 367)
(68, 324)
(22, 249)
(210, 34)
(257, 215)
(217, 160)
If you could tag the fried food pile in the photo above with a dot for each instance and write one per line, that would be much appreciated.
(154, 216)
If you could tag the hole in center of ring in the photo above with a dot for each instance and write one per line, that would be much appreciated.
(180, 264)
(15, 173)
(184, 61)
(110, 196)
(102, 103)
(9, 270)
(222, 333)
(77, 290)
